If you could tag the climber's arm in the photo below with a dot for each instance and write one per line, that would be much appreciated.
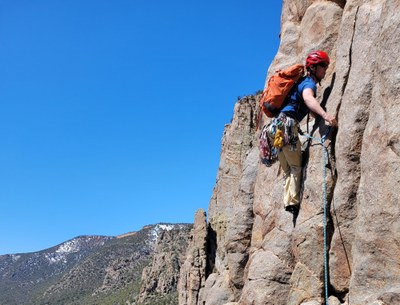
(312, 104)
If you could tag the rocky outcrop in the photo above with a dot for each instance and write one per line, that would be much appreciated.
(220, 250)
(230, 210)
(258, 253)
(193, 272)
(160, 278)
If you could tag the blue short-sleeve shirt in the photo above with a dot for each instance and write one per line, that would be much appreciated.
(294, 105)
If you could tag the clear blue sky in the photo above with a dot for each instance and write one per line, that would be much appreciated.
(112, 112)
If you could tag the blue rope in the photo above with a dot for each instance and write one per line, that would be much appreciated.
(321, 140)
(325, 157)
(325, 222)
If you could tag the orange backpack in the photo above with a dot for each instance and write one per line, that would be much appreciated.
(279, 86)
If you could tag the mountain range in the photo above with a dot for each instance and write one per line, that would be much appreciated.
(97, 270)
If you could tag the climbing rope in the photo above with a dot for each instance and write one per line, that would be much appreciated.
(324, 163)
(325, 223)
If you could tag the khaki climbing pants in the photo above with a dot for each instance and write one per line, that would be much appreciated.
(290, 161)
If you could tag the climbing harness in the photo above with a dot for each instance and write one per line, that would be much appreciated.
(279, 132)
(324, 163)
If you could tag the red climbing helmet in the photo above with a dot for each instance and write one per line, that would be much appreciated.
(317, 57)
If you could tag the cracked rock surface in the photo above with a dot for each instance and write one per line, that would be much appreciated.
(259, 254)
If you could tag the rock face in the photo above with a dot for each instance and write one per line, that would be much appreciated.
(230, 210)
(259, 254)
(160, 278)
(214, 270)
(193, 272)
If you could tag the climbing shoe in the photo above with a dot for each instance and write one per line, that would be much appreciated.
(294, 209)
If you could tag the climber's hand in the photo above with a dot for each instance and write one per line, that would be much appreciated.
(330, 119)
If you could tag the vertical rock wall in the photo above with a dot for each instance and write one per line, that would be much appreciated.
(193, 271)
(258, 253)
(368, 159)
(230, 210)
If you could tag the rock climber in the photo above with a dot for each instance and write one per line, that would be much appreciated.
(300, 101)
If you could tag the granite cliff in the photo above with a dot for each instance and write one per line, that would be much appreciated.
(252, 252)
